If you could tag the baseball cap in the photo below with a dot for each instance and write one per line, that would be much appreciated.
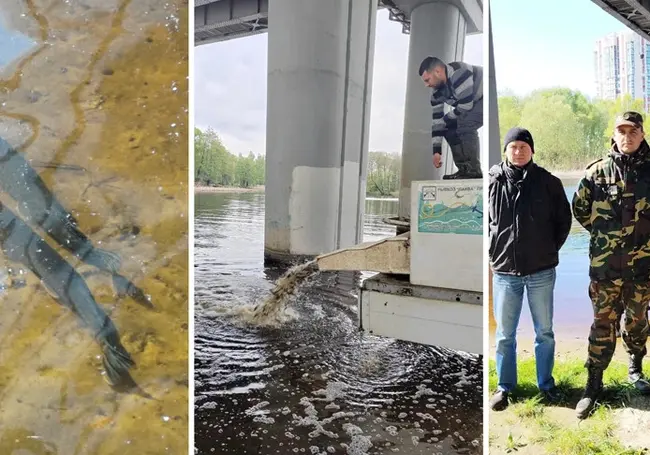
(630, 118)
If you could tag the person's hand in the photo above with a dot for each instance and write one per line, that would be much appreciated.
(437, 160)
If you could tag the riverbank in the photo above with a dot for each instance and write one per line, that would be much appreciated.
(568, 175)
(260, 189)
(228, 189)
(529, 426)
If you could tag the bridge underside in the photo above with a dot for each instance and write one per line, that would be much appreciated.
(221, 20)
(633, 13)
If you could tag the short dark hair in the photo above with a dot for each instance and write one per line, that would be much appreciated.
(429, 63)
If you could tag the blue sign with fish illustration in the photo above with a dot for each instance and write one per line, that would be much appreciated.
(451, 209)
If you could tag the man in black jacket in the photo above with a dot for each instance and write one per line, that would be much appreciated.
(529, 221)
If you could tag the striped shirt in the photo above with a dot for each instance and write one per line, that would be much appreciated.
(464, 86)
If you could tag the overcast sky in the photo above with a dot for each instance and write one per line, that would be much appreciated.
(230, 88)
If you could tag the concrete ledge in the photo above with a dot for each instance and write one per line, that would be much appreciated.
(391, 255)
(401, 286)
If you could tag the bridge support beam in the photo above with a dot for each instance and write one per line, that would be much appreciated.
(494, 146)
(320, 56)
(437, 29)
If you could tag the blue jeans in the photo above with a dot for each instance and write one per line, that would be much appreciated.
(508, 297)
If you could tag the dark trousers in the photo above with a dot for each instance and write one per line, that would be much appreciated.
(463, 141)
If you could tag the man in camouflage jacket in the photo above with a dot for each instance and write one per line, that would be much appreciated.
(613, 203)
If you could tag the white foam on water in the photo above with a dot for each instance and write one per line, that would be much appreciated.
(209, 405)
(264, 419)
(360, 444)
(333, 391)
(426, 416)
(391, 430)
(423, 390)
(254, 410)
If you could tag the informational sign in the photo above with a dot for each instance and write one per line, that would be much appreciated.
(451, 209)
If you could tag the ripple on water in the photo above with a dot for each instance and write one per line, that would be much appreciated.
(315, 384)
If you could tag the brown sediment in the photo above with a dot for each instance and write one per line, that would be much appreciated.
(50, 372)
(75, 95)
(272, 310)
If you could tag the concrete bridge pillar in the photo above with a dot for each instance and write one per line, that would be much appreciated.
(320, 56)
(494, 146)
(437, 29)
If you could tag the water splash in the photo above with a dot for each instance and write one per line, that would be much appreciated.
(273, 310)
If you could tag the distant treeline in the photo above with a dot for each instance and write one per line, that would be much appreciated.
(569, 129)
(214, 165)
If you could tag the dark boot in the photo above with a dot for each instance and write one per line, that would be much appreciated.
(459, 161)
(455, 176)
(593, 389)
(475, 174)
(499, 400)
(635, 374)
(464, 173)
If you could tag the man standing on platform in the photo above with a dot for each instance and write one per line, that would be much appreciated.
(459, 86)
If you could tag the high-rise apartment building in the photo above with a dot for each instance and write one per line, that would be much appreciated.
(622, 67)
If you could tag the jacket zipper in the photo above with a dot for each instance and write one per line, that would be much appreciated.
(621, 202)
(516, 223)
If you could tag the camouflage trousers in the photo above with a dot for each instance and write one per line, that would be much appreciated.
(611, 299)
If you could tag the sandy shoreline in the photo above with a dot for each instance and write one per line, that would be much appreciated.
(228, 189)
(569, 176)
(574, 174)
(566, 348)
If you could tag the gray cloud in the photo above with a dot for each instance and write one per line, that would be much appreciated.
(230, 88)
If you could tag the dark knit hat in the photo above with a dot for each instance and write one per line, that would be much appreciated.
(518, 134)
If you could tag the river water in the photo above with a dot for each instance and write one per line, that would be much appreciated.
(314, 385)
(94, 94)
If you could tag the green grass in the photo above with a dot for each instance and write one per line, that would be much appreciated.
(595, 435)
(570, 378)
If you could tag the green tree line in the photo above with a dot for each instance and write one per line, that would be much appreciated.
(383, 178)
(569, 129)
(214, 165)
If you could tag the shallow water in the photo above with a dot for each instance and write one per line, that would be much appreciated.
(102, 96)
(314, 385)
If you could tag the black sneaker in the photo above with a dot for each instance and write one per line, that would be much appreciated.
(552, 395)
(499, 400)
